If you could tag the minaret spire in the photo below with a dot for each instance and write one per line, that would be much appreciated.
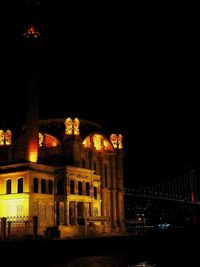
(33, 43)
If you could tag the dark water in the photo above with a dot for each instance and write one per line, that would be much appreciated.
(175, 248)
(107, 261)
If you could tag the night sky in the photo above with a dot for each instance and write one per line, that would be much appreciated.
(132, 70)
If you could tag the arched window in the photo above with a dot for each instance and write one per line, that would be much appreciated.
(87, 189)
(95, 192)
(35, 185)
(20, 185)
(83, 163)
(8, 186)
(71, 187)
(50, 187)
(43, 186)
(80, 188)
(106, 175)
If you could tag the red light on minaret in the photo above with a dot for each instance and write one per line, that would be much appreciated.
(192, 197)
(32, 31)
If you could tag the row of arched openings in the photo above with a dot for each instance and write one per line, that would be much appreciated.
(20, 185)
(46, 186)
(80, 189)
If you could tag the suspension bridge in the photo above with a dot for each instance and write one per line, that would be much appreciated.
(182, 189)
(176, 201)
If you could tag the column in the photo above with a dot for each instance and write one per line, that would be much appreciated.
(113, 208)
(75, 212)
(104, 202)
(120, 215)
(67, 212)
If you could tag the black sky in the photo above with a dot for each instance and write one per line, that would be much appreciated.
(131, 69)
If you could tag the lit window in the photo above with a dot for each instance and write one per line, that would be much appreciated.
(97, 141)
(41, 139)
(114, 140)
(76, 126)
(1, 137)
(68, 126)
(72, 126)
(8, 138)
(120, 138)
(5, 138)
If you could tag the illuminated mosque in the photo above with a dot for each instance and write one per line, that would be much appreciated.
(65, 173)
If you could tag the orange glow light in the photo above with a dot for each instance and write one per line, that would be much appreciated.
(8, 137)
(114, 140)
(99, 142)
(120, 138)
(87, 142)
(76, 126)
(33, 152)
(1, 137)
(5, 138)
(41, 139)
(68, 125)
(50, 141)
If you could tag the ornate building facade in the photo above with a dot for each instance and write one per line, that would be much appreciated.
(66, 179)
(65, 172)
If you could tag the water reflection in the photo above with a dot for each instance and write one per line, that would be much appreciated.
(108, 261)
(144, 264)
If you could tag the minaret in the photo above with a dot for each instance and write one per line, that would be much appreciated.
(33, 43)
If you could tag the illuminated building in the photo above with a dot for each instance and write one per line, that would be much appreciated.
(74, 180)
(65, 172)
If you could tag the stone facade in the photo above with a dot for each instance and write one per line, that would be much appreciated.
(76, 183)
